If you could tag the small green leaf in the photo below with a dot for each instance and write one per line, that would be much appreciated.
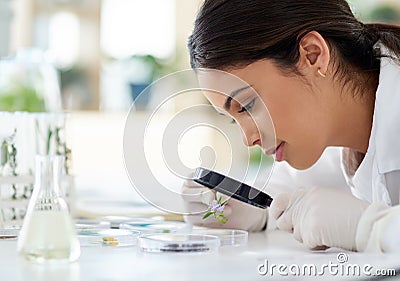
(208, 214)
(4, 153)
(49, 135)
(226, 201)
(221, 218)
(220, 202)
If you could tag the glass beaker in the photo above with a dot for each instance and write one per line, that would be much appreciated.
(48, 233)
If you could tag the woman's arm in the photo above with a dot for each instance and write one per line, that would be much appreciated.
(379, 226)
(326, 217)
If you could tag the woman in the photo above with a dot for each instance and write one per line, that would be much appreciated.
(327, 80)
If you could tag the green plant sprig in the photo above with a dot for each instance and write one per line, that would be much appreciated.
(216, 209)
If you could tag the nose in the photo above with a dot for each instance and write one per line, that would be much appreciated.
(250, 137)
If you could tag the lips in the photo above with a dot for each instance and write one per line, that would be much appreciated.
(279, 152)
(273, 150)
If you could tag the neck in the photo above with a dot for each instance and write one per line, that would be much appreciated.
(354, 114)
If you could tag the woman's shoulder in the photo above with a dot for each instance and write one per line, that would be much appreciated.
(386, 125)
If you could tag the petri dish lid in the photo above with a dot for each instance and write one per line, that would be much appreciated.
(9, 234)
(115, 221)
(178, 243)
(228, 237)
(91, 224)
(107, 237)
(157, 227)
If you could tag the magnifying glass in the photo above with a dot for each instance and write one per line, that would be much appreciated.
(231, 187)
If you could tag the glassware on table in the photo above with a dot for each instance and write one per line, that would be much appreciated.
(107, 237)
(48, 233)
(228, 237)
(157, 226)
(178, 243)
(22, 136)
(118, 221)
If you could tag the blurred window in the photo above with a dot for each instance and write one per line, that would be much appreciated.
(138, 27)
(64, 38)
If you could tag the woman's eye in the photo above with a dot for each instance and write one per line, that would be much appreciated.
(247, 107)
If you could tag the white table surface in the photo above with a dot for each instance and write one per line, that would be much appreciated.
(127, 263)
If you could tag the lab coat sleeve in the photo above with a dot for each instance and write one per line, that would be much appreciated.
(379, 229)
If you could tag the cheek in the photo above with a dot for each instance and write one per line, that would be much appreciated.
(292, 109)
(305, 142)
(286, 116)
(297, 123)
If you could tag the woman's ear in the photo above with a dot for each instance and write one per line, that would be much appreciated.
(314, 54)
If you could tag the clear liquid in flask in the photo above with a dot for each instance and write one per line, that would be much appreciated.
(48, 233)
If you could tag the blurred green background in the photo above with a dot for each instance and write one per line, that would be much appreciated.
(106, 51)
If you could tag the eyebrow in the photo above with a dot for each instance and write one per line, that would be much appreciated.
(228, 101)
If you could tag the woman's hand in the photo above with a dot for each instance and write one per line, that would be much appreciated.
(197, 199)
(319, 217)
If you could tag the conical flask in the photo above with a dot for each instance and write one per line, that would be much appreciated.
(48, 233)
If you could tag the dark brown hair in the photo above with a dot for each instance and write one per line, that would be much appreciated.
(235, 33)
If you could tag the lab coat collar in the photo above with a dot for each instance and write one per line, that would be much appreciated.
(387, 116)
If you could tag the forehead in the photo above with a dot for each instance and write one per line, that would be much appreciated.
(218, 85)
(219, 81)
(217, 99)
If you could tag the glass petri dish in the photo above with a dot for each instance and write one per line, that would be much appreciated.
(9, 234)
(228, 237)
(178, 243)
(157, 227)
(108, 237)
(115, 221)
(91, 224)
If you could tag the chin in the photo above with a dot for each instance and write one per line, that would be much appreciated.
(302, 158)
(301, 164)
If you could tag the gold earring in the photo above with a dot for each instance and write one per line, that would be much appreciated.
(321, 74)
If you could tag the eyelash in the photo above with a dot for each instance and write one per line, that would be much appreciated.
(247, 107)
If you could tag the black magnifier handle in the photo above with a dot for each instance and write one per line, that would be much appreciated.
(231, 187)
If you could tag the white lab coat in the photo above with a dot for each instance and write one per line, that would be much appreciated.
(376, 180)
